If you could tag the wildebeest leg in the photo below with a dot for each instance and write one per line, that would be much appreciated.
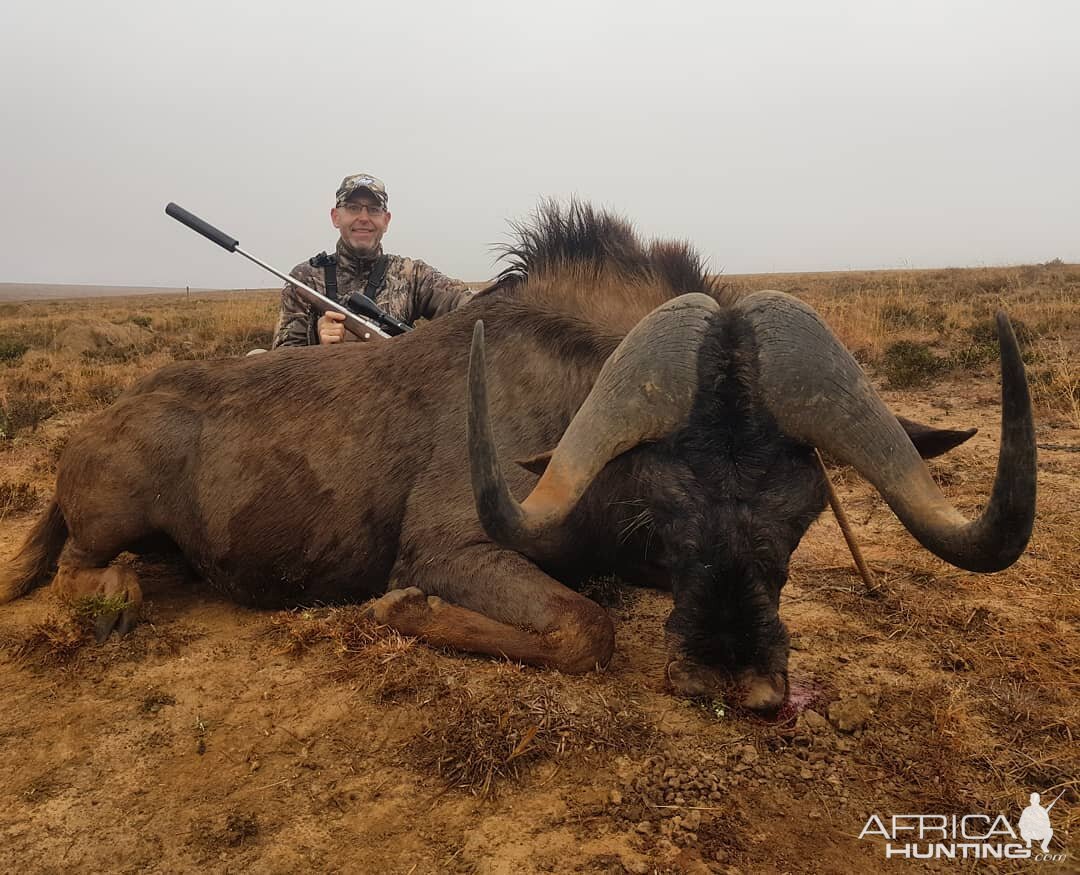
(84, 574)
(494, 601)
(105, 490)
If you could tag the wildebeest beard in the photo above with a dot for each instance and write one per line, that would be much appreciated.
(751, 496)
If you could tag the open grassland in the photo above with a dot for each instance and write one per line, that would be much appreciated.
(912, 328)
(225, 739)
(72, 291)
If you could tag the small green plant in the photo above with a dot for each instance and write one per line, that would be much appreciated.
(984, 333)
(89, 608)
(715, 708)
(142, 321)
(934, 317)
(909, 364)
(973, 357)
(11, 350)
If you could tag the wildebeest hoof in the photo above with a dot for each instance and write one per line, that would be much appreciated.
(121, 622)
(765, 693)
(404, 609)
(110, 598)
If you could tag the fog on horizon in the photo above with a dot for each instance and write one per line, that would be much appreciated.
(776, 136)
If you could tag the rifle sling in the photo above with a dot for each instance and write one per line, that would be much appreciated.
(374, 281)
(330, 278)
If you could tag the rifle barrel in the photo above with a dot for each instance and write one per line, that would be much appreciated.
(1052, 804)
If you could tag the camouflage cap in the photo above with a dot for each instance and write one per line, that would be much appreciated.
(352, 184)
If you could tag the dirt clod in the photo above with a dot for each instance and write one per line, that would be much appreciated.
(851, 714)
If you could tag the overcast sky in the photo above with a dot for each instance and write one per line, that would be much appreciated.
(777, 136)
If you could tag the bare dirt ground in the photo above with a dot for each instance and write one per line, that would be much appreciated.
(217, 738)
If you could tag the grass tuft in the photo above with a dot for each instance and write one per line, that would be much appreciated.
(481, 737)
(12, 350)
(17, 497)
(909, 364)
(477, 735)
(51, 642)
(22, 414)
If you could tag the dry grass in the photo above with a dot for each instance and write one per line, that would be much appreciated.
(66, 638)
(1056, 378)
(60, 640)
(17, 497)
(478, 732)
(54, 641)
(946, 315)
(482, 734)
(54, 374)
(983, 706)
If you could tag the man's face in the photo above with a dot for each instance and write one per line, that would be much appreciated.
(362, 222)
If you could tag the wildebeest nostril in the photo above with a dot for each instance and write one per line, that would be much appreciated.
(763, 692)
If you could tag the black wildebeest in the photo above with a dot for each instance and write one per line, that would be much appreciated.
(674, 428)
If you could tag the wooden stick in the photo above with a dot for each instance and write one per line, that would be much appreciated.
(845, 527)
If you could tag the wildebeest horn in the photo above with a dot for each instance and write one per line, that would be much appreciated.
(819, 395)
(643, 392)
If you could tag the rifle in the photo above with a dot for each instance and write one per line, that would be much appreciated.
(363, 317)
(1055, 802)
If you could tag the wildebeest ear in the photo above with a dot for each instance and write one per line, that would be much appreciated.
(931, 442)
(538, 463)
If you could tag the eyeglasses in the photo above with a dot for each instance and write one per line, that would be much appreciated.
(373, 210)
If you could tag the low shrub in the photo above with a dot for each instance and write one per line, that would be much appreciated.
(908, 364)
(23, 414)
(11, 350)
(983, 347)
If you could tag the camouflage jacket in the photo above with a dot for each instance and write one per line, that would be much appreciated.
(411, 290)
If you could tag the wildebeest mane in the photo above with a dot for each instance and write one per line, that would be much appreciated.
(592, 264)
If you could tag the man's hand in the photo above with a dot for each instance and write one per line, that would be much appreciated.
(331, 329)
